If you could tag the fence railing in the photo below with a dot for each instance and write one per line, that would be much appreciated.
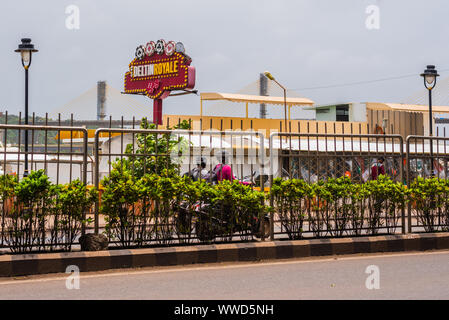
(311, 157)
(152, 150)
(428, 157)
(55, 158)
(19, 222)
(314, 157)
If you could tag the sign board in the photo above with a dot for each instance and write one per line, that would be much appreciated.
(158, 69)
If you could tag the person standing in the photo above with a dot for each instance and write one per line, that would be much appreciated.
(223, 171)
(199, 172)
(377, 168)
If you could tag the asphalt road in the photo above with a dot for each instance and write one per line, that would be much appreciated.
(401, 276)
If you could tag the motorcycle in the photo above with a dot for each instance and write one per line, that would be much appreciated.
(211, 221)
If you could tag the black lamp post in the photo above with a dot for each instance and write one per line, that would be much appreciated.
(26, 48)
(430, 79)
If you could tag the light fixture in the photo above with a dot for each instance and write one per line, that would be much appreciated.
(26, 48)
(430, 77)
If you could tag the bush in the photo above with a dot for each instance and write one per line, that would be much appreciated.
(162, 193)
(120, 194)
(290, 197)
(338, 207)
(72, 202)
(7, 185)
(141, 155)
(167, 208)
(44, 216)
(236, 207)
(429, 198)
(26, 227)
(387, 199)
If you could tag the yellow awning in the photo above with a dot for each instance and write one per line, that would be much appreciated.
(245, 98)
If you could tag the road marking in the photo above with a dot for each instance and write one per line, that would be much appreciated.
(228, 266)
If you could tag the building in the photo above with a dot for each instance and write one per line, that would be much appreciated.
(380, 117)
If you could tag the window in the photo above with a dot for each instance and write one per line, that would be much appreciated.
(342, 113)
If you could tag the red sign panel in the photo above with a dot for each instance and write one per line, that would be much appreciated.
(158, 69)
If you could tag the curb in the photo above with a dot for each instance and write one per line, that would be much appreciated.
(31, 264)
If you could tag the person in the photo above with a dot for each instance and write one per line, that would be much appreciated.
(377, 168)
(199, 171)
(223, 171)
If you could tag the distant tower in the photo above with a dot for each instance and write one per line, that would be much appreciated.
(101, 100)
(263, 91)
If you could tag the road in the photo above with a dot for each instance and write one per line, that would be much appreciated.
(401, 276)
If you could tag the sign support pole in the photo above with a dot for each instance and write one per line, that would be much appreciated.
(157, 111)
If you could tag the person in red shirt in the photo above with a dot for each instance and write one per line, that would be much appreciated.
(377, 168)
(224, 171)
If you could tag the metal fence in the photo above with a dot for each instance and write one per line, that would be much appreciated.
(150, 151)
(63, 162)
(312, 157)
(428, 157)
(32, 225)
(317, 157)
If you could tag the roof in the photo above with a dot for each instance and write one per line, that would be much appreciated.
(233, 97)
(406, 107)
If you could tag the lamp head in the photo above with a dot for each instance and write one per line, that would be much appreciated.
(430, 77)
(26, 48)
(268, 75)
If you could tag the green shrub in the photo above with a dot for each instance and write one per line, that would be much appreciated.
(387, 201)
(7, 184)
(120, 194)
(44, 216)
(289, 196)
(338, 207)
(429, 198)
(141, 155)
(73, 201)
(34, 199)
(167, 211)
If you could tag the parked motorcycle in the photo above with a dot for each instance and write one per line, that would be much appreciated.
(215, 221)
(211, 221)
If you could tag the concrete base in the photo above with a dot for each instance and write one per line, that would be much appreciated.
(29, 264)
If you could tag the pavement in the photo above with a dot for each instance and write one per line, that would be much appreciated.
(416, 275)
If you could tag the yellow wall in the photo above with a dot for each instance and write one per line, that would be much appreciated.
(235, 123)
(302, 126)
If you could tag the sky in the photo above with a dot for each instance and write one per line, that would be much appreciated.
(305, 44)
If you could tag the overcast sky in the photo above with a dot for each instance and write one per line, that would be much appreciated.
(309, 43)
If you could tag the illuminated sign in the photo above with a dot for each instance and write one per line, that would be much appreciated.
(159, 68)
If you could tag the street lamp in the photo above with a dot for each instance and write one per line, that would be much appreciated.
(270, 76)
(430, 79)
(26, 49)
